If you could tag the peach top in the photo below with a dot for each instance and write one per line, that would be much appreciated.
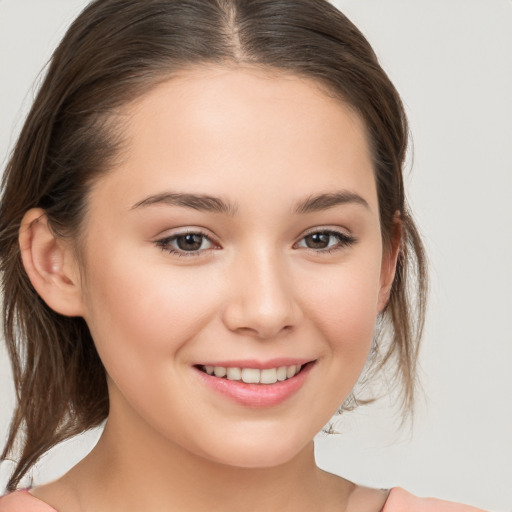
(399, 500)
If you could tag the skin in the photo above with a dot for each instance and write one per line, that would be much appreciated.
(254, 290)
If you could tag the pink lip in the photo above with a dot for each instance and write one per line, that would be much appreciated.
(256, 395)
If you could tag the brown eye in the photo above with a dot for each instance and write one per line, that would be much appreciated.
(326, 241)
(189, 242)
(318, 240)
(186, 244)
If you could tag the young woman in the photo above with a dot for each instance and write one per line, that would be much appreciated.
(205, 241)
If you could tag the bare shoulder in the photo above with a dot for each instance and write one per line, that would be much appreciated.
(402, 501)
(23, 501)
(57, 495)
(367, 499)
(338, 493)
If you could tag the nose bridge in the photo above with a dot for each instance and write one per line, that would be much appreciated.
(262, 301)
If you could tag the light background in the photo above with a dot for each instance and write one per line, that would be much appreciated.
(451, 60)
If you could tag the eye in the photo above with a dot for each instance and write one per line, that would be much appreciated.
(186, 244)
(326, 240)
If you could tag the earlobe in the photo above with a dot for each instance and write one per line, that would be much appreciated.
(389, 263)
(50, 264)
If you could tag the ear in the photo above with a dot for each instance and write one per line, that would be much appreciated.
(50, 264)
(389, 262)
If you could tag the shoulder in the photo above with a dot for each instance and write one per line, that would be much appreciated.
(23, 501)
(400, 500)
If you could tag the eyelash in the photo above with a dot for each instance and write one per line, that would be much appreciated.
(165, 244)
(344, 240)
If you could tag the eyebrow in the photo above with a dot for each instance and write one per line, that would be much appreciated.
(213, 204)
(325, 201)
(200, 202)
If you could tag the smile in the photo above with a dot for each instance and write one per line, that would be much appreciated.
(253, 375)
(273, 383)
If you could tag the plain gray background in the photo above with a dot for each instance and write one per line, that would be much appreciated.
(451, 60)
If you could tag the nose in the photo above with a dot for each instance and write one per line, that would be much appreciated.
(261, 302)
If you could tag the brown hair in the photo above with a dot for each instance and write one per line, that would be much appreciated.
(115, 51)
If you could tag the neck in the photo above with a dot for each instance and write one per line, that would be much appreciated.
(137, 469)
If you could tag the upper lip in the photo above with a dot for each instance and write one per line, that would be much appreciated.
(258, 364)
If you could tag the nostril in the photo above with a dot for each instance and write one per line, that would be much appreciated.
(263, 310)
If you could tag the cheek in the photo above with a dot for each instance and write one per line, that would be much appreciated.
(343, 305)
(142, 312)
(341, 311)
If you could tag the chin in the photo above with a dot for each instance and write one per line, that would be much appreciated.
(252, 452)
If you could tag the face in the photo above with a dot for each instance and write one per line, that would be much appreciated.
(239, 235)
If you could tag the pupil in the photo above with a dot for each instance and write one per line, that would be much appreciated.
(318, 240)
(190, 242)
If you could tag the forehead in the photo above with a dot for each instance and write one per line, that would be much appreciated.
(212, 128)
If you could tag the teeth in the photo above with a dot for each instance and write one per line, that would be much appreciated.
(234, 373)
(219, 371)
(253, 375)
(291, 371)
(281, 373)
(268, 376)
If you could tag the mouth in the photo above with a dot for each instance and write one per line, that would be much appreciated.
(267, 386)
(254, 375)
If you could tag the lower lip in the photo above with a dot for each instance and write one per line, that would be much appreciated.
(257, 395)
